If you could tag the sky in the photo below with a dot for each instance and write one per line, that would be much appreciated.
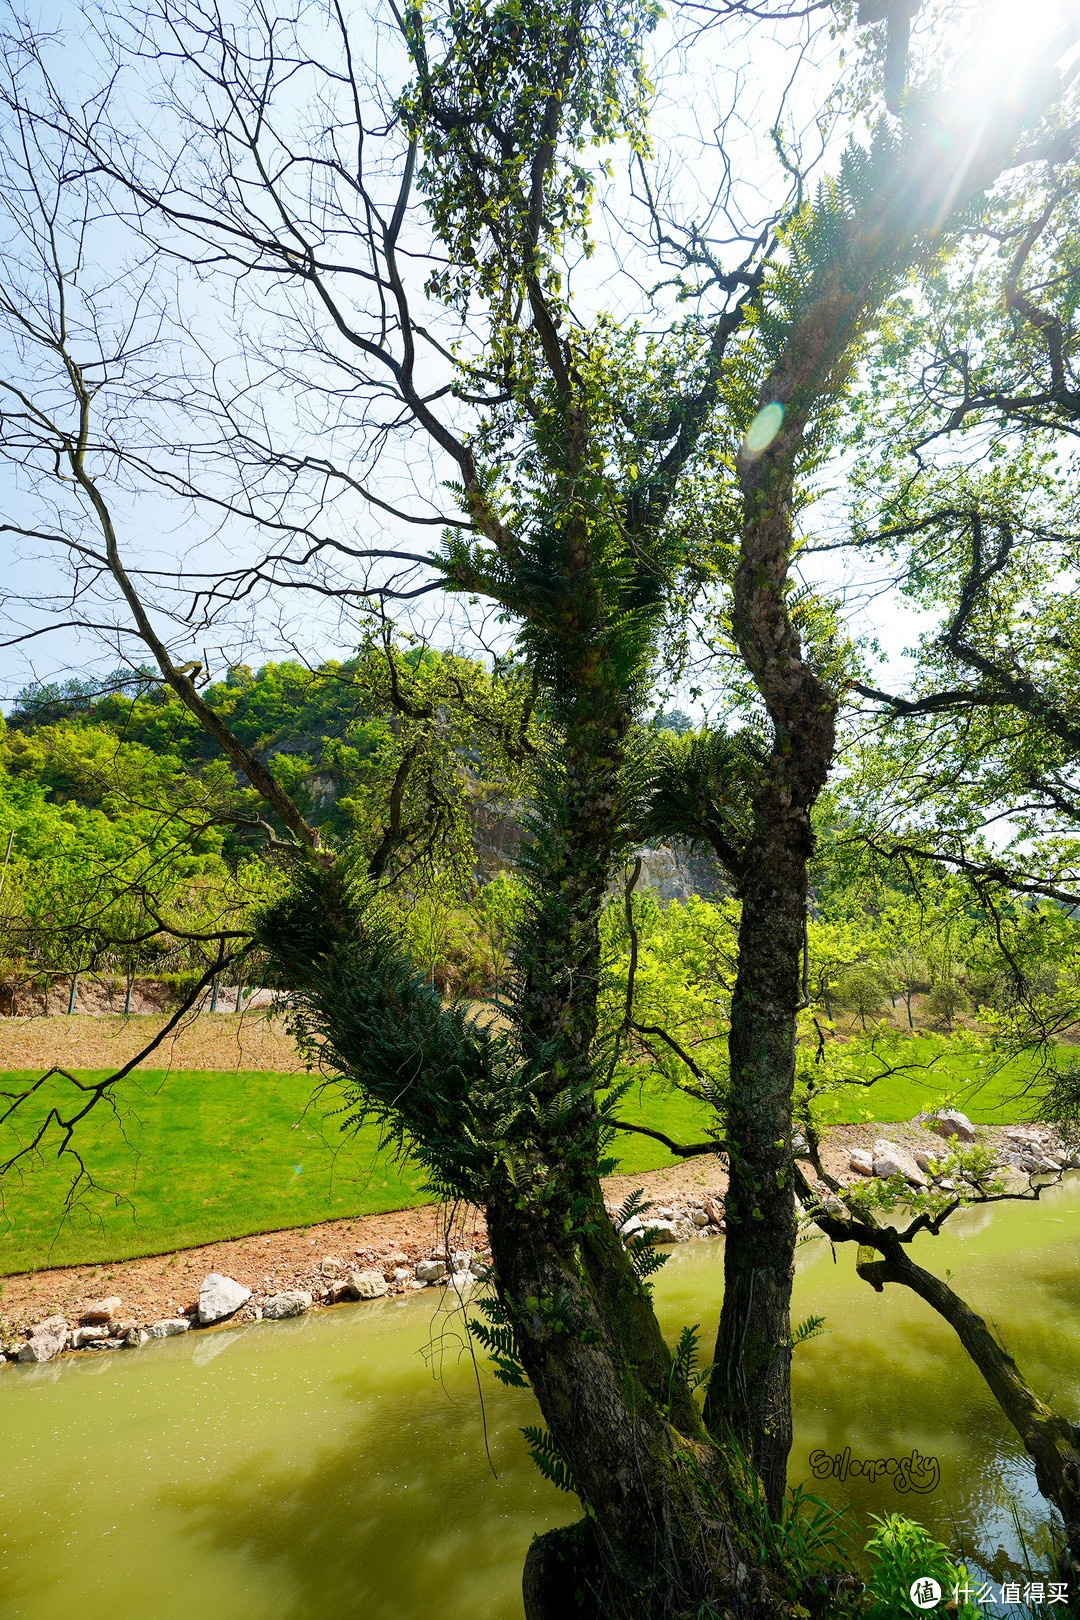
(738, 80)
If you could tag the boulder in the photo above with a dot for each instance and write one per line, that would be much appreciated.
(294, 1302)
(923, 1159)
(862, 1160)
(714, 1211)
(92, 1334)
(481, 1266)
(947, 1122)
(136, 1338)
(462, 1260)
(430, 1271)
(800, 1147)
(699, 1217)
(102, 1310)
(678, 1230)
(169, 1328)
(220, 1297)
(330, 1265)
(634, 1224)
(367, 1284)
(1022, 1133)
(46, 1340)
(893, 1160)
(399, 1275)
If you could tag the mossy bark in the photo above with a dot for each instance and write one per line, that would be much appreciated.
(750, 1390)
(656, 1488)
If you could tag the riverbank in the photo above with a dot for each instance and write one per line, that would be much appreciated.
(315, 1259)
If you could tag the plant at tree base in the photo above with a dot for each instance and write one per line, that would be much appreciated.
(902, 1553)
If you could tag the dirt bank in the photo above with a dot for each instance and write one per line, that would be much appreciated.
(167, 1285)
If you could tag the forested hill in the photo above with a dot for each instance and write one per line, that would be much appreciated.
(74, 740)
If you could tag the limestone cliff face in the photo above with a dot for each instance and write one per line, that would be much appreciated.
(673, 868)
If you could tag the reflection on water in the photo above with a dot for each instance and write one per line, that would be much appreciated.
(325, 1468)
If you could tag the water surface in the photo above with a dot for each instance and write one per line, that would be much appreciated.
(336, 1466)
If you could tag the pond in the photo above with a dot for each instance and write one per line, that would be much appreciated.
(340, 1465)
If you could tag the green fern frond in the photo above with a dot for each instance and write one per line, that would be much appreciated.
(545, 1453)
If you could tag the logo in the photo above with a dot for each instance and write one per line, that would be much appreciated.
(925, 1592)
(915, 1473)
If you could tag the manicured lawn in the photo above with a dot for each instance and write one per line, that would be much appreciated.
(937, 1071)
(191, 1157)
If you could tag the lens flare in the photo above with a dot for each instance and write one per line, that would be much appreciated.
(763, 430)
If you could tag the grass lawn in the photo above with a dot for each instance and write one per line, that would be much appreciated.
(195, 1156)
(941, 1071)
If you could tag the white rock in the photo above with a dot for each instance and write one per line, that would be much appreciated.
(634, 1224)
(670, 1231)
(88, 1335)
(169, 1329)
(367, 1284)
(293, 1302)
(400, 1274)
(947, 1122)
(430, 1271)
(47, 1340)
(699, 1217)
(462, 1260)
(892, 1160)
(799, 1145)
(102, 1310)
(330, 1265)
(220, 1297)
(923, 1159)
(862, 1160)
(714, 1211)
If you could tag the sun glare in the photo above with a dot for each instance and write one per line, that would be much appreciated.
(1007, 37)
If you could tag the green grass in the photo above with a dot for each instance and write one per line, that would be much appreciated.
(194, 1157)
(988, 1090)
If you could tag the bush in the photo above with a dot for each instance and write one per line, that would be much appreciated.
(946, 1000)
(902, 1552)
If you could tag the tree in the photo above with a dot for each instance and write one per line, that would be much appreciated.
(582, 452)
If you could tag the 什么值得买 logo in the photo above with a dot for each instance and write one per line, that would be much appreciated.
(915, 1473)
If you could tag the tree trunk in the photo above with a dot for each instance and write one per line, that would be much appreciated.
(656, 1488)
(750, 1388)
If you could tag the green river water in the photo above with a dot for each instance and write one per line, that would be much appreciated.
(334, 1466)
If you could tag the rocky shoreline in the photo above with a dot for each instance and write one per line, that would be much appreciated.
(122, 1305)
